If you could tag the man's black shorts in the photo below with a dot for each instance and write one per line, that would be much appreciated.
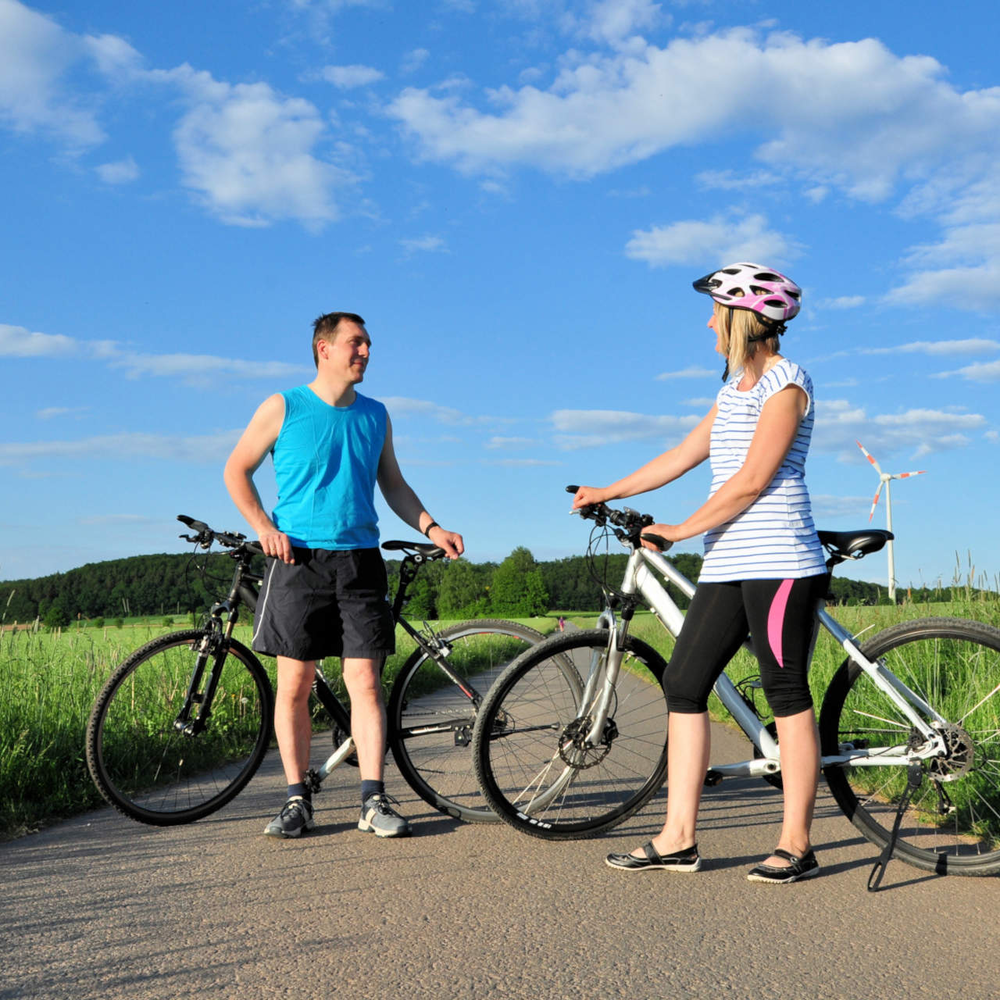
(326, 603)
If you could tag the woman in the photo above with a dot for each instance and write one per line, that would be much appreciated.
(763, 570)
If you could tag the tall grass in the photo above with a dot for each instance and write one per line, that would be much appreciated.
(48, 683)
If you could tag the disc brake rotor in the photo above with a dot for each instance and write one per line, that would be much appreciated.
(577, 751)
(960, 757)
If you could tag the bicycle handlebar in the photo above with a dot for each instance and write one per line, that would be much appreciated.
(631, 521)
(205, 536)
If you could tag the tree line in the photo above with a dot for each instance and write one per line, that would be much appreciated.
(518, 587)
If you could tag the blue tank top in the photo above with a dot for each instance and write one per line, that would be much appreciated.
(326, 465)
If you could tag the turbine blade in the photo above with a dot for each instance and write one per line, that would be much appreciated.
(868, 456)
(906, 475)
(875, 501)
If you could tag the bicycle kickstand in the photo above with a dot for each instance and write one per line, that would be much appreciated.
(914, 775)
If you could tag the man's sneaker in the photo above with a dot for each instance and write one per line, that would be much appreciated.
(378, 817)
(294, 819)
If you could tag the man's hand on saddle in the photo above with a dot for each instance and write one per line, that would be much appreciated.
(450, 541)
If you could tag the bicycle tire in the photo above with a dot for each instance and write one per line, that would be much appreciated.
(431, 719)
(954, 665)
(148, 770)
(529, 772)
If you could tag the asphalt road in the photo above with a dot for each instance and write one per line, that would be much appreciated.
(101, 907)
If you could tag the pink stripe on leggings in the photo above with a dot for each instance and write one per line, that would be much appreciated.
(776, 619)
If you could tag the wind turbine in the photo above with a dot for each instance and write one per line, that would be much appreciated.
(884, 480)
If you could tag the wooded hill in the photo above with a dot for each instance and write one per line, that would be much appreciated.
(171, 585)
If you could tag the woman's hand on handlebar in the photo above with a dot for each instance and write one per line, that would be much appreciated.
(588, 496)
(668, 532)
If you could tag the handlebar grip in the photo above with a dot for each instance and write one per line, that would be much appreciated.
(198, 526)
(572, 489)
(661, 543)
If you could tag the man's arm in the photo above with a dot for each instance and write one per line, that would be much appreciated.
(406, 505)
(256, 441)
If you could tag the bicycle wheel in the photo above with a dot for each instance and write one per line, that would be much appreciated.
(952, 824)
(431, 718)
(154, 773)
(535, 766)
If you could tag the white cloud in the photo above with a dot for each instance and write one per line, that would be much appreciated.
(191, 369)
(729, 180)
(719, 239)
(842, 302)
(115, 57)
(983, 371)
(424, 244)
(826, 505)
(642, 191)
(17, 342)
(50, 412)
(939, 348)
(850, 114)
(691, 372)
(406, 407)
(347, 77)
(413, 60)
(250, 152)
(119, 172)
(207, 449)
(614, 21)
(201, 369)
(916, 431)
(521, 463)
(510, 442)
(958, 287)
(35, 56)
(594, 428)
(852, 117)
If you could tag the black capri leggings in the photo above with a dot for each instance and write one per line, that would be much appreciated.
(778, 615)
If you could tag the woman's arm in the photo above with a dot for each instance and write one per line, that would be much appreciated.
(773, 438)
(663, 469)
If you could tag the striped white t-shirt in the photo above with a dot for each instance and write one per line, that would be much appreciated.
(774, 538)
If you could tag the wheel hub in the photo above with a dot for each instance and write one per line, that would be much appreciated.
(960, 755)
(577, 751)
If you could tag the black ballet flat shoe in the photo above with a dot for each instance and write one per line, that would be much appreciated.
(683, 861)
(798, 868)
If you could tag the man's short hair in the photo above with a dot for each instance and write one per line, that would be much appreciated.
(325, 328)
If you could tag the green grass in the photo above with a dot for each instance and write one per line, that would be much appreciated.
(48, 683)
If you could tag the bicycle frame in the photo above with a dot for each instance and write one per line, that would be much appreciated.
(640, 581)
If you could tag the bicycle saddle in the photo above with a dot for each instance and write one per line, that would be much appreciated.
(424, 548)
(854, 544)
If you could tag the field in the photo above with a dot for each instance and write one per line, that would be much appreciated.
(48, 682)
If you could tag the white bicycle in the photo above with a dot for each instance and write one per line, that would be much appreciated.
(909, 725)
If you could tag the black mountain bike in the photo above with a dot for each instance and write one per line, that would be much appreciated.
(182, 725)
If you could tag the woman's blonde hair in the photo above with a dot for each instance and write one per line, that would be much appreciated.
(741, 333)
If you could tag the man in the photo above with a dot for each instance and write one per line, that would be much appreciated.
(325, 591)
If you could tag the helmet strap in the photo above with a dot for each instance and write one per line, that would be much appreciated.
(774, 330)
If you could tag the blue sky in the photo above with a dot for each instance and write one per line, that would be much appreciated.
(516, 196)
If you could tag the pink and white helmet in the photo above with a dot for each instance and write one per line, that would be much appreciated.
(750, 286)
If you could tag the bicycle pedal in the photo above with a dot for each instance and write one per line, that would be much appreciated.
(712, 778)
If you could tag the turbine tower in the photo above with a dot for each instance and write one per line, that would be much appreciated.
(884, 480)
